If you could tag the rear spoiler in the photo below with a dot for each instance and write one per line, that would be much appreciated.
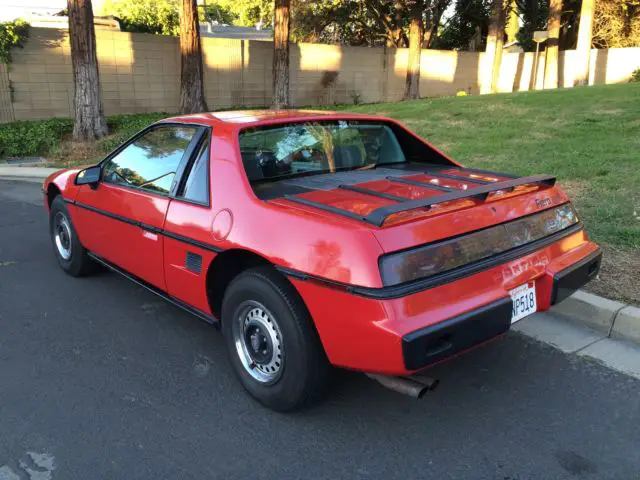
(378, 216)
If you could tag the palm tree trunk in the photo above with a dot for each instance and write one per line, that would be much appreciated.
(282, 22)
(551, 54)
(583, 49)
(412, 87)
(89, 121)
(191, 73)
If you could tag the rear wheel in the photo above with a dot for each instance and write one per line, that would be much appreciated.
(274, 348)
(71, 255)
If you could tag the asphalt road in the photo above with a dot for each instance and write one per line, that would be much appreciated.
(101, 379)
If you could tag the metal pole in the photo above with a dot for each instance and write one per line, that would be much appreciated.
(535, 66)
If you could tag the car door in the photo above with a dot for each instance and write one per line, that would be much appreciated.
(189, 243)
(121, 219)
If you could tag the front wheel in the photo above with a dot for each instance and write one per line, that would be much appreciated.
(71, 255)
(273, 346)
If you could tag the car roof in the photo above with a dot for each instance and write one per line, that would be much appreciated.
(245, 118)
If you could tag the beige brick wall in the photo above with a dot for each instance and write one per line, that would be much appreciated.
(6, 105)
(141, 73)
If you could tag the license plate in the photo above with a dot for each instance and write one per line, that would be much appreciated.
(524, 301)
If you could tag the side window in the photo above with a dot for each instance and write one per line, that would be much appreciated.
(151, 161)
(196, 187)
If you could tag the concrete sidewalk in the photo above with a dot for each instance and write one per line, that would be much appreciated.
(26, 174)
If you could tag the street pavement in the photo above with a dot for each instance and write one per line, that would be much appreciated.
(100, 379)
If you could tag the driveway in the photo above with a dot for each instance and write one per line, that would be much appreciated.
(101, 379)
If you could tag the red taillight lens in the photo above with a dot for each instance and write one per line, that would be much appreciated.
(433, 259)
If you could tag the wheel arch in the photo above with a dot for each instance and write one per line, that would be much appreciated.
(225, 267)
(52, 192)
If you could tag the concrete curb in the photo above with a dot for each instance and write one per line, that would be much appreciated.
(614, 319)
(33, 174)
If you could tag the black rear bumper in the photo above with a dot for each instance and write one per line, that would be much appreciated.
(450, 337)
(571, 279)
(445, 339)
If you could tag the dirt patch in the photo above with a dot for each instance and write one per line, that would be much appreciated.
(454, 123)
(510, 108)
(619, 277)
(575, 189)
(614, 111)
(70, 154)
(557, 123)
(539, 135)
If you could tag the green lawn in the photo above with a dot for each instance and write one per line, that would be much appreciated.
(588, 137)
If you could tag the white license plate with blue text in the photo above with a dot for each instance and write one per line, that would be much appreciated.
(524, 301)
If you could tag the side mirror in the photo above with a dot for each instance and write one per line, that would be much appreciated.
(89, 176)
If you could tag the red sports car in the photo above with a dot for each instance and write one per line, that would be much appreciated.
(317, 239)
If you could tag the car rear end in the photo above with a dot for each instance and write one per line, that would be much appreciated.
(464, 253)
(455, 274)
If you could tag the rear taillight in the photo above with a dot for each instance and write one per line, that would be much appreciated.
(433, 259)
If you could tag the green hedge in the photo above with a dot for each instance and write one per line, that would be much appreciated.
(29, 138)
(42, 137)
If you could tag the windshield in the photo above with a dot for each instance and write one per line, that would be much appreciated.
(317, 147)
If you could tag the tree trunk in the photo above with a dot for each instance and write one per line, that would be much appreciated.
(89, 120)
(583, 49)
(191, 74)
(281, 17)
(412, 86)
(495, 42)
(512, 25)
(551, 53)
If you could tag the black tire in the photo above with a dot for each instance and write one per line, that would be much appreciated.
(79, 263)
(305, 371)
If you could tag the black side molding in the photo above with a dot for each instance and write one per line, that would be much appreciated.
(409, 288)
(148, 228)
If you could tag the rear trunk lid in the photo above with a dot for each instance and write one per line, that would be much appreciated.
(413, 204)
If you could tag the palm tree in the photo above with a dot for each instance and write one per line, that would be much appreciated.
(89, 121)
(191, 74)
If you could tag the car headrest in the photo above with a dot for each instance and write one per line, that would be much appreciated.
(347, 156)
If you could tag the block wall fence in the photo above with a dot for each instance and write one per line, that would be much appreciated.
(141, 73)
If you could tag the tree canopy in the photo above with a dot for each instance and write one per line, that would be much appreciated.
(448, 24)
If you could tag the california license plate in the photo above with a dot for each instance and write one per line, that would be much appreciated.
(524, 301)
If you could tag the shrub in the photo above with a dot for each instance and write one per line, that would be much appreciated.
(29, 138)
(12, 34)
(125, 126)
(635, 76)
(161, 17)
(43, 137)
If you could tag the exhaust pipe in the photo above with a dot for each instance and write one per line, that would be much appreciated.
(430, 383)
(407, 386)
